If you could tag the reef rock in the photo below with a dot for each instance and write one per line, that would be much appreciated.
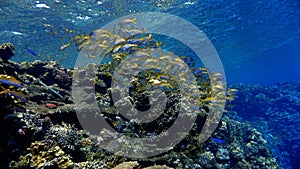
(6, 51)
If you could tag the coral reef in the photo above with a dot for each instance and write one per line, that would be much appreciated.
(129, 164)
(134, 164)
(42, 156)
(49, 134)
(243, 145)
(274, 110)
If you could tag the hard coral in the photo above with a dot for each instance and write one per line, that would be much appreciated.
(129, 164)
(6, 51)
(40, 156)
(134, 164)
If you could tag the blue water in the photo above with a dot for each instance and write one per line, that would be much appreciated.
(258, 41)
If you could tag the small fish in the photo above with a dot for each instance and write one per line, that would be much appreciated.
(42, 6)
(197, 72)
(20, 108)
(69, 30)
(127, 47)
(10, 81)
(49, 88)
(217, 74)
(119, 56)
(48, 26)
(18, 95)
(13, 33)
(118, 41)
(134, 31)
(208, 99)
(100, 31)
(138, 40)
(229, 105)
(154, 81)
(231, 98)
(218, 140)
(51, 32)
(31, 51)
(165, 77)
(14, 94)
(219, 86)
(81, 41)
(50, 105)
(17, 33)
(63, 47)
(158, 44)
(129, 20)
(122, 48)
(233, 90)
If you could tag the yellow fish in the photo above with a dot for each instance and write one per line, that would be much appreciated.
(129, 20)
(63, 47)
